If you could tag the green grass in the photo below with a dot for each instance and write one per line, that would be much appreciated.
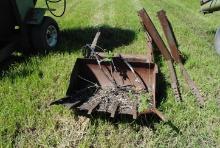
(29, 84)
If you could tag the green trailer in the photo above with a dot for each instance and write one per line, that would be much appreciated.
(24, 27)
(210, 6)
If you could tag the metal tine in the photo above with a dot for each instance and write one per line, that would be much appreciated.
(174, 83)
(150, 45)
(192, 85)
(170, 36)
(167, 28)
(152, 31)
(159, 114)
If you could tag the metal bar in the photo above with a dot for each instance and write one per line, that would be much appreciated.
(150, 28)
(170, 36)
(151, 49)
(94, 43)
(159, 114)
(150, 46)
(192, 85)
(174, 81)
(167, 28)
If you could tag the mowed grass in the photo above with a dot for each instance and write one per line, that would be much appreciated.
(29, 84)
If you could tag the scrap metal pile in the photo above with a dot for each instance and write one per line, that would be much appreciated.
(172, 57)
(125, 84)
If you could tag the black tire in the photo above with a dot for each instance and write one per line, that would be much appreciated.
(40, 36)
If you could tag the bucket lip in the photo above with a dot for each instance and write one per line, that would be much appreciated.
(130, 60)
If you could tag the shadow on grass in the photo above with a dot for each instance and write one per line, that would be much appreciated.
(148, 120)
(5, 66)
(73, 39)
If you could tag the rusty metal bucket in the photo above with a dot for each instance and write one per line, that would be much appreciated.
(122, 84)
(113, 87)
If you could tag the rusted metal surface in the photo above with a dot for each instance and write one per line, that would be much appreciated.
(192, 85)
(168, 31)
(151, 49)
(130, 57)
(90, 71)
(107, 90)
(113, 85)
(174, 81)
(151, 30)
(160, 114)
(167, 28)
(150, 46)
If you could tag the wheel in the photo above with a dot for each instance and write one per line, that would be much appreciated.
(46, 35)
(217, 41)
(35, 1)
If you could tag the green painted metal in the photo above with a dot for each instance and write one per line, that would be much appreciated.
(7, 19)
(211, 6)
(24, 7)
(36, 16)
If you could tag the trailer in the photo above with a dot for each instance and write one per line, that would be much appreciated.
(210, 6)
(24, 27)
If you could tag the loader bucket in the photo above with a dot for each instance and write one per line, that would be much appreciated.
(113, 88)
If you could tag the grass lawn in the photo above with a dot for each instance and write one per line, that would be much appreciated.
(29, 84)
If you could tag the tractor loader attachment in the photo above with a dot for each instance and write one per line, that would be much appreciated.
(115, 85)
(153, 33)
(170, 36)
(169, 57)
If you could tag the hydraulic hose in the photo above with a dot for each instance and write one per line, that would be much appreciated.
(56, 1)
